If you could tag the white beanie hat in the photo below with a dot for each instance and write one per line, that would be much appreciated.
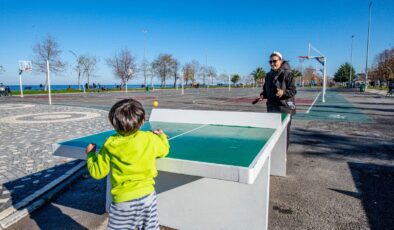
(276, 53)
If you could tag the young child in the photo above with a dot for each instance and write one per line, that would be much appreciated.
(131, 153)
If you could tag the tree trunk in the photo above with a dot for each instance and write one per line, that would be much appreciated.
(88, 76)
(79, 80)
(46, 82)
(175, 81)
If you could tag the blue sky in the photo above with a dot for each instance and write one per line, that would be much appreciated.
(232, 36)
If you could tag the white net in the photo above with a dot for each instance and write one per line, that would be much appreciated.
(25, 66)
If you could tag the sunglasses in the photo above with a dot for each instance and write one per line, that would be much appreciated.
(273, 61)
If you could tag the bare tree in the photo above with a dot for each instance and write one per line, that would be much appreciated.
(145, 70)
(187, 73)
(190, 71)
(383, 70)
(223, 78)
(175, 68)
(151, 74)
(48, 50)
(211, 73)
(203, 72)
(196, 68)
(123, 65)
(89, 66)
(2, 70)
(163, 67)
(78, 68)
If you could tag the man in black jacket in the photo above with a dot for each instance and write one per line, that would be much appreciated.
(279, 88)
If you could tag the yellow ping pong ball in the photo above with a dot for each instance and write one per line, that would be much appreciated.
(155, 103)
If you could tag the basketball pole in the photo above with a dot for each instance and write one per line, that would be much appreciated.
(324, 80)
(368, 38)
(20, 81)
(229, 82)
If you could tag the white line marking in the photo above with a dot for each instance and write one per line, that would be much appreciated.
(202, 126)
(313, 103)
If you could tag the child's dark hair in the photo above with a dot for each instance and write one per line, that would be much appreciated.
(126, 116)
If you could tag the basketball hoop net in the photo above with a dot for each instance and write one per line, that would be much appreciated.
(25, 66)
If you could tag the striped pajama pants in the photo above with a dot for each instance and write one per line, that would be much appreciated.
(138, 214)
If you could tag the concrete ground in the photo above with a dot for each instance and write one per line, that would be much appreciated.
(340, 161)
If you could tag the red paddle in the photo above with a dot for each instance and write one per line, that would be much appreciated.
(256, 100)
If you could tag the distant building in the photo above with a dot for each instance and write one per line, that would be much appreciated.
(360, 78)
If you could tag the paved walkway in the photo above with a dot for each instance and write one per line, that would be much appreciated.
(335, 108)
(377, 91)
(27, 132)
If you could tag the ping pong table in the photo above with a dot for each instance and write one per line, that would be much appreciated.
(216, 175)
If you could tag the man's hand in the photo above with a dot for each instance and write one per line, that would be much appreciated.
(90, 148)
(279, 93)
(257, 100)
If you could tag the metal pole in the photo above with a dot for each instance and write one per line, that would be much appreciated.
(206, 68)
(229, 82)
(302, 73)
(20, 82)
(351, 57)
(324, 80)
(366, 58)
(144, 31)
(49, 84)
(183, 91)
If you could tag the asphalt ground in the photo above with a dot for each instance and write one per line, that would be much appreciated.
(340, 161)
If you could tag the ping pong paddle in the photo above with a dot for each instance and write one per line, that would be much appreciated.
(255, 101)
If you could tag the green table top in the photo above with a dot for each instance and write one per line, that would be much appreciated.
(225, 145)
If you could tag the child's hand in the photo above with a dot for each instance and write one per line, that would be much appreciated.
(90, 148)
(157, 131)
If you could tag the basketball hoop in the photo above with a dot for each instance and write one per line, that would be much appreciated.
(25, 66)
(304, 57)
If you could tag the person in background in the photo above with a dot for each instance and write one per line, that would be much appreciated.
(279, 88)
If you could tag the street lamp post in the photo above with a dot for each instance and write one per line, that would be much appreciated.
(351, 57)
(145, 62)
(366, 58)
(79, 70)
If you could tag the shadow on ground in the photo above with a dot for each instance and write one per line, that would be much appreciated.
(67, 209)
(374, 181)
(20, 192)
(375, 185)
(343, 146)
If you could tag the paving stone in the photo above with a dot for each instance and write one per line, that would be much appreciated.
(26, 140)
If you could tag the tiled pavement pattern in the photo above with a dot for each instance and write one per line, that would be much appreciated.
(26, 162)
